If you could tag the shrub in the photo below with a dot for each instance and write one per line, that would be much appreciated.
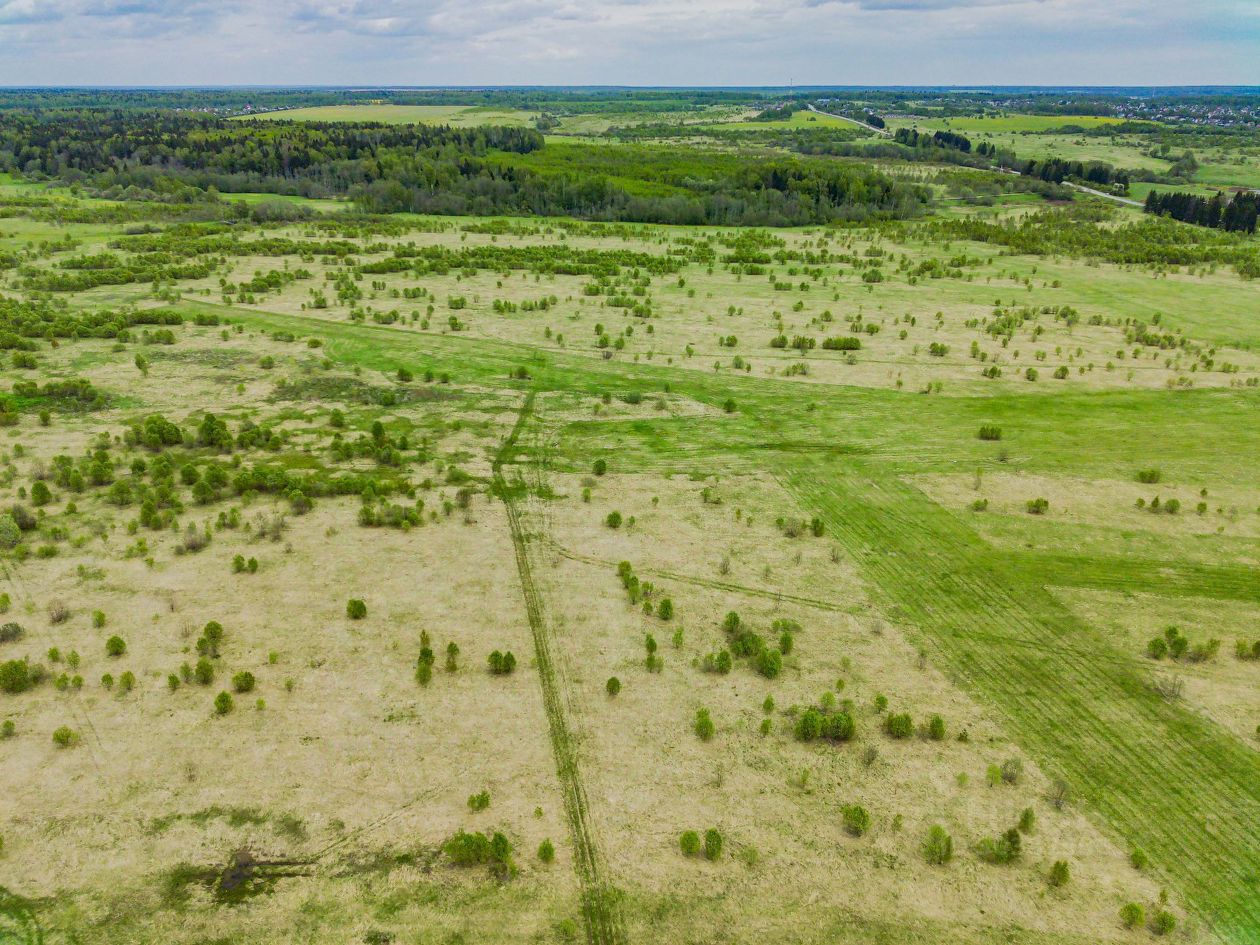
(17, 676)
(203, 672)
(356, 609)
(899, 725)
(8, 729)
(11, 632)
(1132, 915)
(704, 725)
(40, 493)
(1163, 922)
(936, 728)
(689, 843)
(501, 664)
(546, 852)
(115, 646)
(1027, 820)
(479, 802)
(1138, 859)
(65, 737)
(712, 844)
(613, 520)
(223, 703)
(990, 432)
(1059, 874)
(938, 848)
(1012, 769)
(666, 609)
(1148, 476)
(1038, 506)
(10, 534)
(769, 663)
(243, 682)
(856, 819)
(1004, 849)
(613, 686)
(600, 467)
(127, 681)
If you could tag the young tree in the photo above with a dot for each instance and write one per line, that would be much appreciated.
(938, 848)
(712, 844)
(613, 686)
(689, 843)
(223, 703)
(356, 609)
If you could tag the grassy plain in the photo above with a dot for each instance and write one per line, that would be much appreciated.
(826, 495)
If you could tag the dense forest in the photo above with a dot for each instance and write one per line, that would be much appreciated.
(1236, 214)
(434, 169)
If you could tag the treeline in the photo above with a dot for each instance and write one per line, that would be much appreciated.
(432, 169)
(912, 138)
(1237, 214)
(1057, 170)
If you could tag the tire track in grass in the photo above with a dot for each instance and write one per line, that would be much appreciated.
(601, 909)
(1159, 775)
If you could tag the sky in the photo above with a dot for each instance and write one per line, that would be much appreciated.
(969, 43)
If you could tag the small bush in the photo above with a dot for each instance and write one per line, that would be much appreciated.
(1132, 915)
(501, 664)
(479, 802)
(990, 432)
(1148, 476)
(613, 520)
(938, 848)
(613, 686)
(243, 682)
(1059, 874)
(856, 819)
(704, 726)
(1004, 849)
(65, 737)
(689, 843)
(115, 646)
(546, 852)
(1163, 922)
(356, 609)
(899, 725)
(203, 672)
(936, 728)
(223, 703)
(1038, 506)
(712, 844)
(11, 632)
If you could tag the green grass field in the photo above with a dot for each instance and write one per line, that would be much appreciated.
(819, 543)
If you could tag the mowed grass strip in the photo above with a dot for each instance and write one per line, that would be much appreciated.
(1162, 777)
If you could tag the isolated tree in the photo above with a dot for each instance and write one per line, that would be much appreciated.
(356, 609)
(938, 848)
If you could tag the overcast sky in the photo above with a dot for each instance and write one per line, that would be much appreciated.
(631, 42)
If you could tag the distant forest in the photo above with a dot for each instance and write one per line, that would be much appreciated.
(435, 169)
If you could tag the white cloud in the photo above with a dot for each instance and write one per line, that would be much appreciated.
(646, 42)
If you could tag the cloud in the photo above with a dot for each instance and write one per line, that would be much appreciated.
(646, 42)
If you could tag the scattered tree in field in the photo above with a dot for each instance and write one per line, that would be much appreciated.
(704, 725)
(938, 848)
(243, 681)
(501, 664)
(689, 843)
(8, 728)
(223, 703)
(1004, 849)
(1163, 922)
(1059, 874)
(899, 725)
(613, 686)
(1012, 770)
(546, 852)
(479, 802)
(1132, 915)
(1148, 476)
(1138, 859)
(203, 672)
(856, 819)
(115, 646)
(65, 737)
(1037, 506)
(1027, 820)
(712, 844)
(666, 609)
(600, 467)
(356, 609)
(936, 728)
(613, 520)
(990, 432)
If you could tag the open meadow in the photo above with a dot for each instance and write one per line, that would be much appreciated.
(449, 577)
